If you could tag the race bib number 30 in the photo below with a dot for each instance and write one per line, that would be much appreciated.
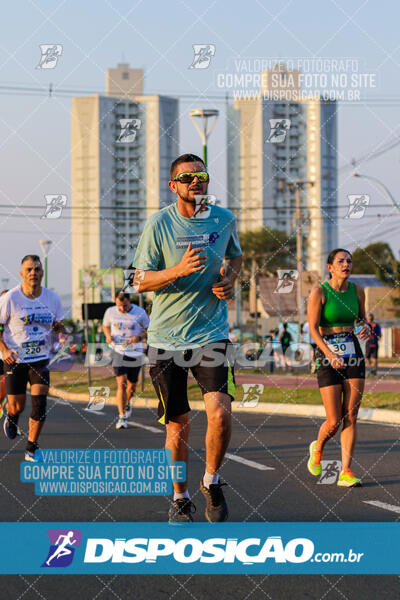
(32, 349)
(342, 344)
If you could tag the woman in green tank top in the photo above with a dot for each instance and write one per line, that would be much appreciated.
(333, 308)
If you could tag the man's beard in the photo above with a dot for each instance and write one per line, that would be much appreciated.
(197, 193)
(186, 198)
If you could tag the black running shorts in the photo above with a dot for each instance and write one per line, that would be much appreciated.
(127, 365)
(355, 364)
(1, 368)
(211, 366)
(371, 352)
(19, 374)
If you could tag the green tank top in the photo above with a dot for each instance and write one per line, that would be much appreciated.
(340, 308)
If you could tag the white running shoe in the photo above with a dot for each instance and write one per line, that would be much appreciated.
(128, 411)
(121, 423)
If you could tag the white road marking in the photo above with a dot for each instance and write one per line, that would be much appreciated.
(249, 463)
(378, 423)
(58, 400)
(239, 459)
(391, 507)
(148, 427)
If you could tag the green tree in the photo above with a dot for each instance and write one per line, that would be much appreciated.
(377, 259)
(270, 248)
(70, 325)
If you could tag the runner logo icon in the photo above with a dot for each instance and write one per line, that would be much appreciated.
(357, 206)
(251, 394)
(97, 398)
(50, 55)
(129, 128)
(203, 54)
(279, 129)
(286, 281)
(54, 206)
(63, 543)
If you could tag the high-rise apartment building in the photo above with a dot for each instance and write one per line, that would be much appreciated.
(273, 144)
(122, 147)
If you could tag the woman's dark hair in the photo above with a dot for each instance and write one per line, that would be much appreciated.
(332, 254)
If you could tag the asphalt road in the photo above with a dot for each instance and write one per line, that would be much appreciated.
(284, 492)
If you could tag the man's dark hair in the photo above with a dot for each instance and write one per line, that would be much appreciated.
(33, 257)
(183, 158)
(121, 295)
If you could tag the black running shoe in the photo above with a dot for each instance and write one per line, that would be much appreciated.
(181, 511)
(10, 428)
(216, 509)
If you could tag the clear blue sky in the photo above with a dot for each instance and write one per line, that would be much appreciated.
(158, 37)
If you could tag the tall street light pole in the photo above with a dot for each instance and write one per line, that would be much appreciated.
(204, 131)
(45, 245)
(381, 185)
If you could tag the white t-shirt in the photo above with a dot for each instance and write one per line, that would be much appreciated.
(28, 322)
(123, 326)
(306, 330)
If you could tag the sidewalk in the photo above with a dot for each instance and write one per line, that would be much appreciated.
(377, 415)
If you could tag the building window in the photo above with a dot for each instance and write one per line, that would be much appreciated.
(125, 75)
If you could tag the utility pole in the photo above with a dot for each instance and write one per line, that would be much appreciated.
(299, 266)
(142, 369)
(253, 295)
(238, 304)
(297, 186)
(86, 329)
(45, 245)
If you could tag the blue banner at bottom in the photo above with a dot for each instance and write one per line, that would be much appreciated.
(200, 548)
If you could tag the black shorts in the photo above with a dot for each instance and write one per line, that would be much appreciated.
(355, 365)
(1, 368)
(371, 352)
(120, 366)
(211, 366)
(19, 374)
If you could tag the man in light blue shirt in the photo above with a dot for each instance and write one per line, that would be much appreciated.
(189, 256)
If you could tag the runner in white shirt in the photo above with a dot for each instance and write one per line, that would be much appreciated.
(125, 326)
(29, 314)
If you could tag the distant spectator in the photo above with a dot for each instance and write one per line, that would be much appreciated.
(83, 350)
(285, 338)
(232, 336)
(309, 340)
(372, 345)
(276, 350)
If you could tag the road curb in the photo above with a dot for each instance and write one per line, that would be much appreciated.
(377, 415)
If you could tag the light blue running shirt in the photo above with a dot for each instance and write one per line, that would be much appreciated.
(186, 314)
